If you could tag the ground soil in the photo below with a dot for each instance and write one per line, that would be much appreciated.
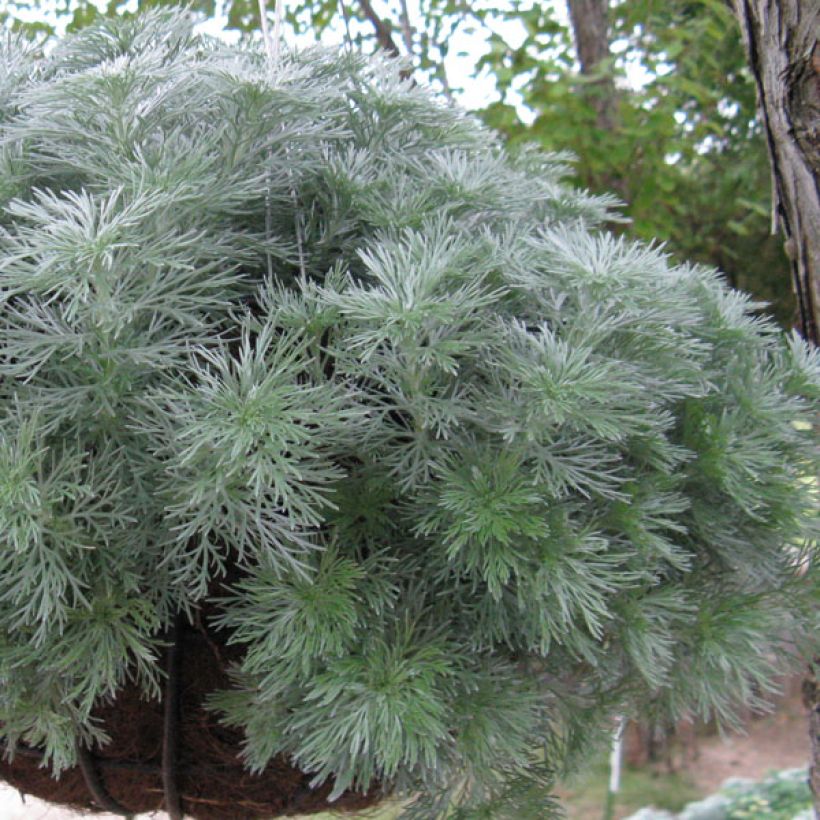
(776, 741)
(772, 741)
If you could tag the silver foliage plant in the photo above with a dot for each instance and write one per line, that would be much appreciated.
(485, 475)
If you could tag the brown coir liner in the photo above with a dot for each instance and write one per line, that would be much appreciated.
(212, 781)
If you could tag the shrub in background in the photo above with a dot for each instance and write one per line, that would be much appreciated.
(783, 796)
(457, 474)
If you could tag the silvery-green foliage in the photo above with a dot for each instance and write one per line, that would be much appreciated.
(484, 475)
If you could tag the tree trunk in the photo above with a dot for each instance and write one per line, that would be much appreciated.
(784, 56)
(811, 700)
(590, 29)
(781, 43)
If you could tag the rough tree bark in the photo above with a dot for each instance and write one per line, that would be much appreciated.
(811, 699)
(781, 38)
(590, 30)
(781, 43)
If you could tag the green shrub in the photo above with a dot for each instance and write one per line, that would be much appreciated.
(776, 798)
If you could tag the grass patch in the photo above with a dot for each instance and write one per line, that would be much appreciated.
(584, 794)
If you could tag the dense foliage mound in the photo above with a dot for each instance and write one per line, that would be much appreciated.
(445, 474)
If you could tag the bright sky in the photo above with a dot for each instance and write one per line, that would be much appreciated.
(464, 48)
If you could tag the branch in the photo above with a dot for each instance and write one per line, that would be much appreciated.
(406, 28)
(384, 31)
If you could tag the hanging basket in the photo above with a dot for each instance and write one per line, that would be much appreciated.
(209, 775)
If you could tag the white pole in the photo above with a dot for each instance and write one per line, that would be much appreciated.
(277, 28)
(614, 767)
(263, 18)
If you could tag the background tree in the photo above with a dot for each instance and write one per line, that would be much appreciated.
(782, 47)
(687, 154)
(784, 56)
